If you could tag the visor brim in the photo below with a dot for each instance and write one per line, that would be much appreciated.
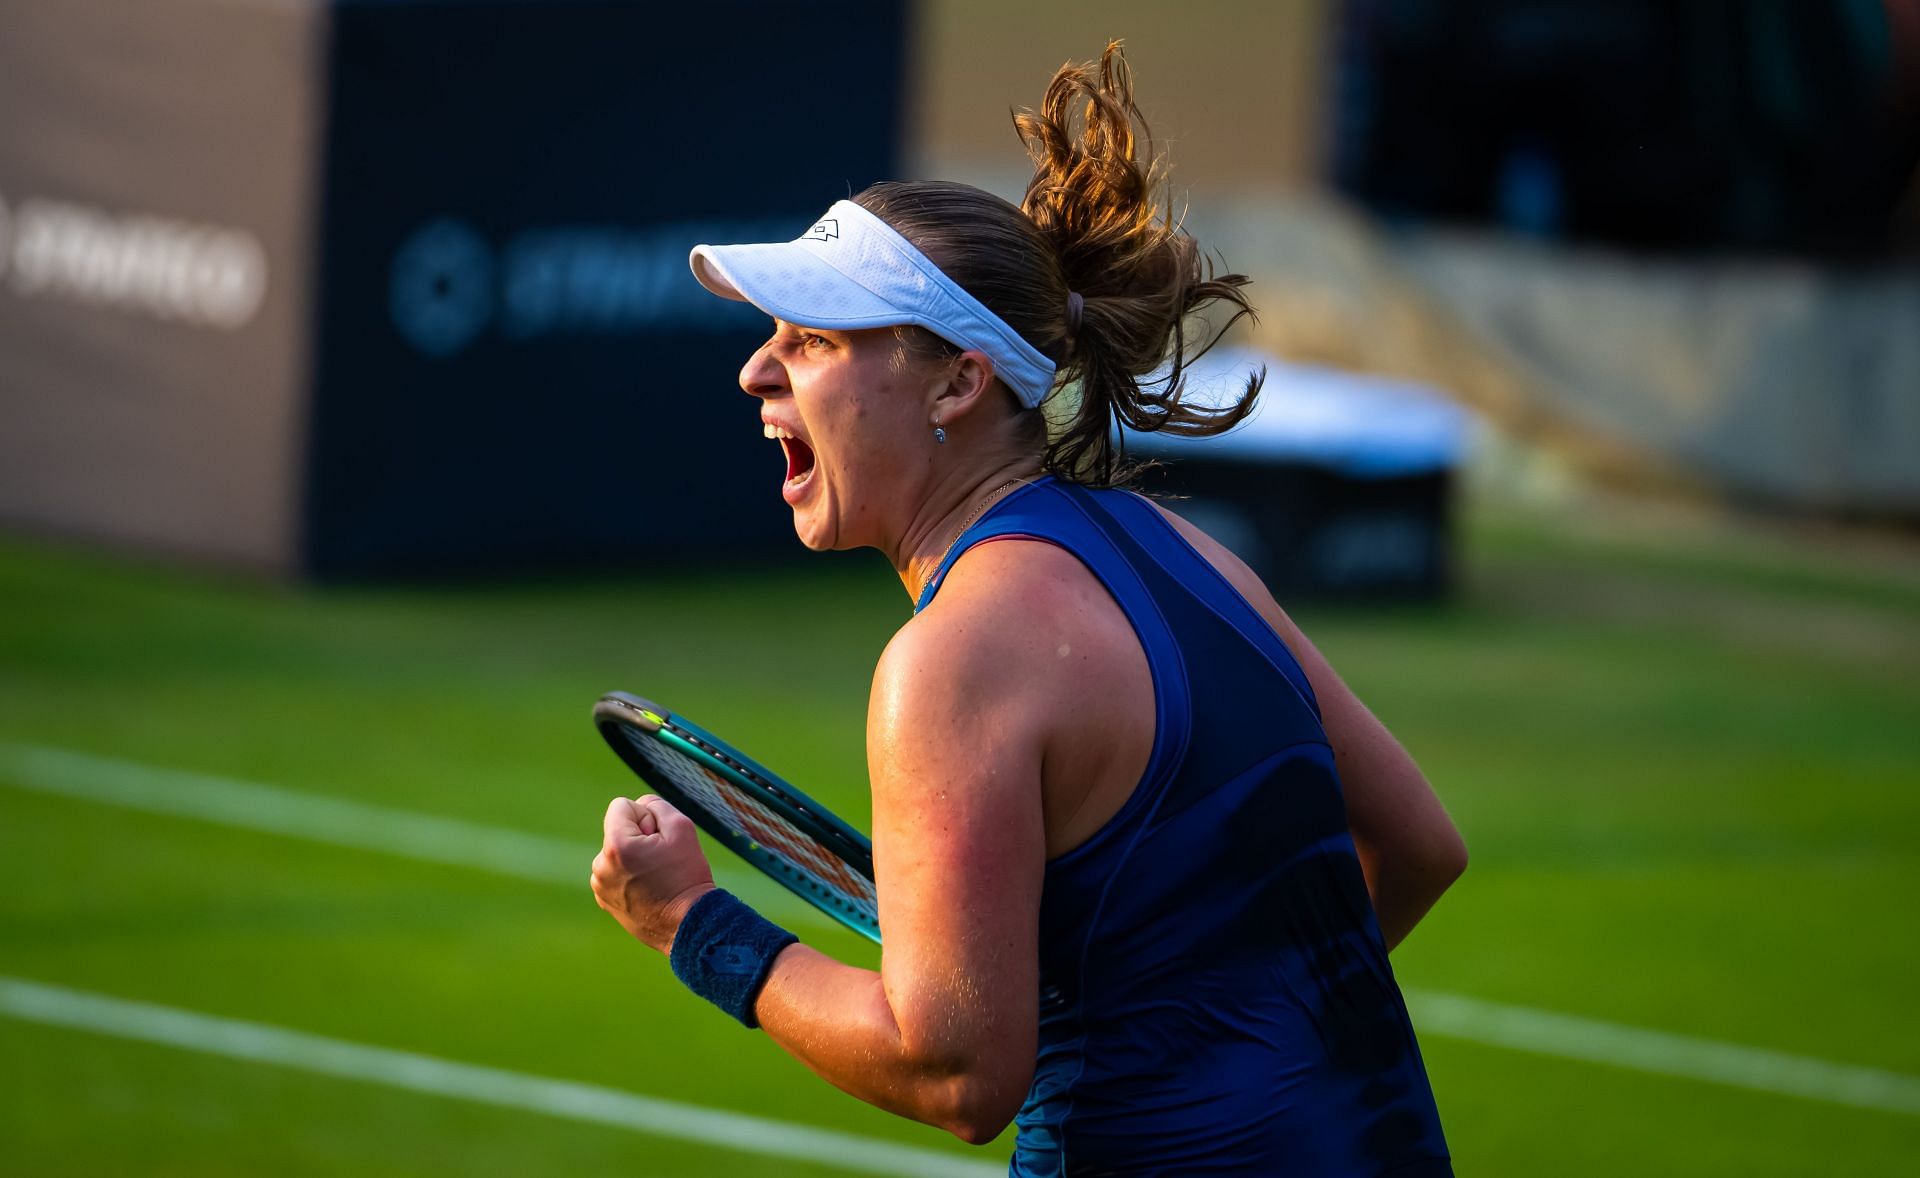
(792, 283)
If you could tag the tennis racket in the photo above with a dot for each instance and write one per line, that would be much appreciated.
(742, 803)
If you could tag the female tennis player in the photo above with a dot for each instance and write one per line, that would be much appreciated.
(1140, 853)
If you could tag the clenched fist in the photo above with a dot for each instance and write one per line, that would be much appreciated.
(650, 868)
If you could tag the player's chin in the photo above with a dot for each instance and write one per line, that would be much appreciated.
(807, 537)
(825, 525)
(813, 523)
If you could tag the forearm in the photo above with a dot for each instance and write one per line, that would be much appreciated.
(945, 1035)
(836, 1019)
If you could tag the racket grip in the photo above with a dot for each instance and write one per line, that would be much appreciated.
(724, 950)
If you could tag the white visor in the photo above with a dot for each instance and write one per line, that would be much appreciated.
(852, 271)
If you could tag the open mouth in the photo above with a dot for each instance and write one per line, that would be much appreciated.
(800, 459)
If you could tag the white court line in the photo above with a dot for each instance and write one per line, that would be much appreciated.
(259, 1043)
(1565, 1036)
(444, 840)
(321, 819)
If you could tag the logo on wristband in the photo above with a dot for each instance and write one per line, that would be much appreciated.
(731, 959)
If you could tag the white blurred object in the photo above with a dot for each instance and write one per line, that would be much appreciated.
(1356, 424)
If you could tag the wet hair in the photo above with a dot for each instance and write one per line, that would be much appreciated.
(1089, 224)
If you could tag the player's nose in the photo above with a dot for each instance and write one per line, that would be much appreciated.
(763, 375)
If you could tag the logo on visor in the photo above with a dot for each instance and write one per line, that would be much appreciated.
(822, 230)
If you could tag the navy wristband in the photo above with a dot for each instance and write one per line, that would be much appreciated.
(724, 951)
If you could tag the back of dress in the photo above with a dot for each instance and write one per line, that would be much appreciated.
(1215, 993)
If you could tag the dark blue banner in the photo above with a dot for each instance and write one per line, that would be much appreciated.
(513, 367)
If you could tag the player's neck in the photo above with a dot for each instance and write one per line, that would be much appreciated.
(956, 504)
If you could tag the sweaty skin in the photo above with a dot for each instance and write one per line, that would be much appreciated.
(1008, 721)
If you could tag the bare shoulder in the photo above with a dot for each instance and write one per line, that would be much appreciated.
(1018, 626)
(1027, 670)
(999, 604)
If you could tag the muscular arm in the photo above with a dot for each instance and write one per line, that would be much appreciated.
(1409, 849)
(945, 1032)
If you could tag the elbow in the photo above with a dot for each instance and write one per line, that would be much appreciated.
(971, 1087)
(980, 1126)
(977, 1110)
(1428, 865)
(1459, 860)
(1446, 861)
(979, 1133)
(1453, 858)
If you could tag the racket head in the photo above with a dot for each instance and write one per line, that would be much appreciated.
(747, 807)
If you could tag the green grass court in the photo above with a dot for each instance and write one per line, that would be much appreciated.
(1688, 771)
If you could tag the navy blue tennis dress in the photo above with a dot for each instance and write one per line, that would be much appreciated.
(1215, 995)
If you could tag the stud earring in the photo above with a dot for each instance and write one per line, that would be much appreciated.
(939, 435)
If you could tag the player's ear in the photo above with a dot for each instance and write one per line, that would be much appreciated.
(967, 379)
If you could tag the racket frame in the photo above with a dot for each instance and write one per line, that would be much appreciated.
(619, 710)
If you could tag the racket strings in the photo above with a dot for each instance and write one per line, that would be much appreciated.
(747, 817)
(841, 852)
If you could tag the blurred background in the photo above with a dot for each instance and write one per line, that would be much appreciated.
(360, 424)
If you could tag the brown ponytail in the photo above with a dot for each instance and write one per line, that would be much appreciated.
(1088, 226)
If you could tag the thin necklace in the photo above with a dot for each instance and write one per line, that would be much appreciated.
(972, 516)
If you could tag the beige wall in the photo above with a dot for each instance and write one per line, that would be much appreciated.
(1233, 89)
(141, 145)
